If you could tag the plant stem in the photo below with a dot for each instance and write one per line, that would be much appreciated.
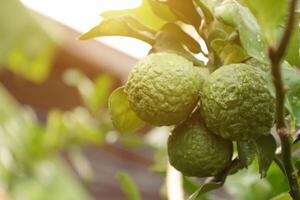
(276, 56)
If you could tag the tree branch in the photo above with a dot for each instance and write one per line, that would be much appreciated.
(276, 56)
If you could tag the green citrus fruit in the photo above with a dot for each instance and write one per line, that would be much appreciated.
(236, 102)
(163, 88)
(195, 151)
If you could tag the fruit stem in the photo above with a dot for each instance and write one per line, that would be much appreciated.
(276, 55)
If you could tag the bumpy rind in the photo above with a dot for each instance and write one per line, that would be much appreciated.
(163, 88)
(236, 102)
(195, 151)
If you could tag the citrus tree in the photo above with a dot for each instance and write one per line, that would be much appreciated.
(237, 107)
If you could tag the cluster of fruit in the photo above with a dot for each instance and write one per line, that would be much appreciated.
(209, 111)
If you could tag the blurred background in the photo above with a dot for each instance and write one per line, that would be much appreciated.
(56, 137)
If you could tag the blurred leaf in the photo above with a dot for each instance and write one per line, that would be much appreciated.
(123, 118)
(176, 31)
(97, 98)
(206, 187)
(189, 186)
(128, 186)
(186, 11)
(208, 14)
(270, 15)
(291, 79)
(160, 161)
(94, 93)
(246, 152)
(121, 26)
(277, 179)
(261, 190)
(144, 13)
(162, 10)
(218, 44)
(240, 17)
(293, 54)
(56, 134)
(132, 140)
(217, 33)
(266, 147)
(167, 41)
(51, 180)
(81, 164)
(81, 127)
(26, 49)
(72, 77)
(285, 196)
(247, 185)
(72, 127)
(233, 53)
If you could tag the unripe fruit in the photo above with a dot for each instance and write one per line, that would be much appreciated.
(195, 151)
(236, 102)
(163, 88)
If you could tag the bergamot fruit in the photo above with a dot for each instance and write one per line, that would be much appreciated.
(196, 151)
(163, 88)
(236, 102)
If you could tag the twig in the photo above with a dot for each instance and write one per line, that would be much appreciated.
(234, 166)
(276, 56)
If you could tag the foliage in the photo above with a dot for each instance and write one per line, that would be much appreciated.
(26, 48)
(128, 186)
(234, 31)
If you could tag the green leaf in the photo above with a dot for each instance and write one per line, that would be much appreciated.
(270, 15)
(206, 187)
(291, 78)
(246, 152)
(186, 11)
(217, 33)
(173, 39)
(123, 118)
(189, 186)
(144, 13)
(279, 183)
(240, 17)
(293, 54)
(233, 53)
(285, 196)
(128, 186)
(266, 147)
(121, 26)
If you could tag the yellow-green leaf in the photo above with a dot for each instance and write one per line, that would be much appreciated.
(284, 196)
(123, 118)
(270, 15)
(128, 186)
(144, 13)
(121, 26)
(186, 11)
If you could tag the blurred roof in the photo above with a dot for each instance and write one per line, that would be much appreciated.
(82, 15)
